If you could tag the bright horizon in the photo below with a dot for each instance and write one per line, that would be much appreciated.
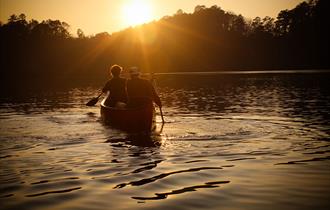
(114, 15)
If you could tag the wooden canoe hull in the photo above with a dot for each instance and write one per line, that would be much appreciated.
(140, 119)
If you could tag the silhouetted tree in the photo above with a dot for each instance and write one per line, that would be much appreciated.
(206, 40)
(80, 33)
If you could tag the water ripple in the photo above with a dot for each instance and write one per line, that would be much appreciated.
(269, 136)
(54, 192)
(161, 176)
(54, 180)
(304, 161)
(148, 166)
(160, 196)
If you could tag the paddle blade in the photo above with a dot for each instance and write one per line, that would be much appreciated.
(92, 102)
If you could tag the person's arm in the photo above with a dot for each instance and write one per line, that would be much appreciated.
(106, 87)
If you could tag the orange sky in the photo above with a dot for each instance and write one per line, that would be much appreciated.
(94, 16)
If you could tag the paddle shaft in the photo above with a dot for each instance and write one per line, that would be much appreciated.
(93, 101)
(99, 95)
(155, 86)
(161, 114)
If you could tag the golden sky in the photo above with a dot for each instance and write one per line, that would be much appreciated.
(94, 16)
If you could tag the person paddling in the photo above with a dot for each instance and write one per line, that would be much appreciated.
(116, 87)
(140, 90)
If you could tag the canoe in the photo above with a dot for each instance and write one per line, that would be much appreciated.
(137, 119)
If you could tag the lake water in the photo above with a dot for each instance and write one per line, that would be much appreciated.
(235, 141)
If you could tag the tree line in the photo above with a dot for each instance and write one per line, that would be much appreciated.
(209, 39)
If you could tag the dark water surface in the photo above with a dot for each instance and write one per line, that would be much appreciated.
(252, 141)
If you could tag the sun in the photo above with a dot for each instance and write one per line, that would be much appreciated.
(136, 12)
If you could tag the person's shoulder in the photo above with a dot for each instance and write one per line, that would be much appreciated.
(144, 80)
(122, 79)
(135, 79)
(108, 82)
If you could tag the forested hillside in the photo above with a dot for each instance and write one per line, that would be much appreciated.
(209, 39)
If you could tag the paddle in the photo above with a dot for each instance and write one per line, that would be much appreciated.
(153, 82)
(161, 114)
(93, 101)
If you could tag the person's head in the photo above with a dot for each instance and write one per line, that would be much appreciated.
(134, 72)
(115, 70)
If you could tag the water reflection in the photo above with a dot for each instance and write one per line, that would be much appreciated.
(153, 139)
(292, 96)
(45, 101)
(228, 141)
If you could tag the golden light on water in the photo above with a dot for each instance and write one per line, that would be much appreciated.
(136, 12)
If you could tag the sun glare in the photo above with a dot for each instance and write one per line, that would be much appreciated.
(136, 12)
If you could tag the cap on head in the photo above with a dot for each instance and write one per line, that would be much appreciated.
(134, 71)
